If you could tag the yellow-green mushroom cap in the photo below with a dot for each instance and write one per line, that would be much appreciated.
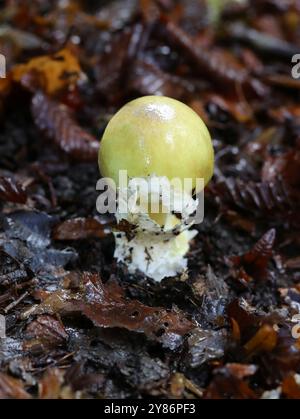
(156, 135)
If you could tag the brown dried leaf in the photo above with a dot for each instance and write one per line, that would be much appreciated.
(292, 263)
(10, 388)
(284, 113)
(115, 64)
(45, 332)
(82, 228)
(282, 80)
(56, 120)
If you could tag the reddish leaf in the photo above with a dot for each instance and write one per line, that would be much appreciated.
(11, 191)
(211, 66)
(254, 264)
(291, 388)
(82, 228)
(244, 316)
(275, 198)
(57, 122)
(44, 333)
(106, 306)
(265, 340)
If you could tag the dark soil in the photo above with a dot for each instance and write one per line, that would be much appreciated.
(78, 325)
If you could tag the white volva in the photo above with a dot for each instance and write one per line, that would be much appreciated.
(158, 243)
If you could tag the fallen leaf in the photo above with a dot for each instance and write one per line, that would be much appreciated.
(10, 388)
(107, 307)
(53, 72)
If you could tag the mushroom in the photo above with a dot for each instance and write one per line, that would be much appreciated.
(165, 150)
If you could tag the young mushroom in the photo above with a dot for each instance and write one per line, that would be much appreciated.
(162, 145)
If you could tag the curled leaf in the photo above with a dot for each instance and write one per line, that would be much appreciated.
(254, 264)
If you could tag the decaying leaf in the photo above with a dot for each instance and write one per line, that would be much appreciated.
(107, 307)
(10, 388)
(275, 199)
(57, 122)
(12, 191)
(82, 228)
(52, 72)
(230, 382)
(45, 333)
(254, 264)
(70, 66)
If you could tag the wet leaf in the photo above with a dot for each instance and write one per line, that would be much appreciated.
(264, 340)
(82, 228)
(45, 333)
(107, 307)
(58, 124)
(210, 64)
(12, 191)
(52, 72)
